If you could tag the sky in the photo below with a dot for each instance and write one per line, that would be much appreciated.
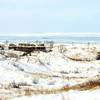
(35, 16)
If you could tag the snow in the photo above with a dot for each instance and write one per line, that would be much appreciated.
(71, 95)
(49, 70)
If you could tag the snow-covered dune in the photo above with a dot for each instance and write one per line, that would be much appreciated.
(65, 65)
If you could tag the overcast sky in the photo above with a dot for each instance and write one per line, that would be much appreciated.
(49, 16)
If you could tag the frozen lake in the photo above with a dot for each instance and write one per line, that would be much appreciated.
(58, 39)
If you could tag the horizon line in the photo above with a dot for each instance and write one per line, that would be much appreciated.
(72, 34)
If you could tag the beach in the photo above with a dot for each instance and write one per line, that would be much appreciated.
(63, 73)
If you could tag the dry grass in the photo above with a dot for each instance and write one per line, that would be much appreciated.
(91, 84)
(6, 93)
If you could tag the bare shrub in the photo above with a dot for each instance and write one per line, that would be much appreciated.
(28, 92)
(61, 48)
(98, 56)
(35, 81)
(14, 85)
